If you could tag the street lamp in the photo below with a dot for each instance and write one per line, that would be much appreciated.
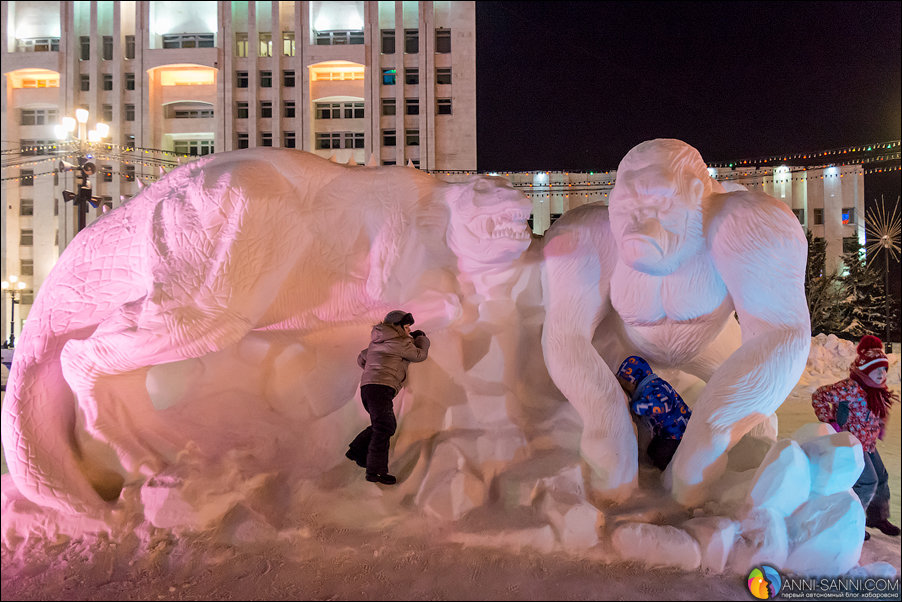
(86, 140)
(14, 288)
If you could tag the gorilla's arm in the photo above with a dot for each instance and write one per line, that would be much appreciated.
(579, 256)
(760, 252)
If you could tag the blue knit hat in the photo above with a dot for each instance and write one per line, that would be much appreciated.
(634, 369)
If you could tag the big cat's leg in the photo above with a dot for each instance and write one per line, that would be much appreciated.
(107, 373)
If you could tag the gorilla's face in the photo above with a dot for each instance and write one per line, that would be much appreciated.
(655, 226)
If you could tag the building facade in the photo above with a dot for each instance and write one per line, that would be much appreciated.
(385, 82)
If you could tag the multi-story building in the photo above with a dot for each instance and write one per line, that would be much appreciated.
(390, 82)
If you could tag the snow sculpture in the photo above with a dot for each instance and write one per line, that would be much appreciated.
(245, 241)
(659, 274)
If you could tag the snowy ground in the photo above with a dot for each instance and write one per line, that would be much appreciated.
(391, 557)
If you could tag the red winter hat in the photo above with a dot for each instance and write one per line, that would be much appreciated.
(870, 354)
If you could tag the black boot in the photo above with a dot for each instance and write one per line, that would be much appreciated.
(350, 455)
(886, 527)
(877, 517)
(867, 536)
(385, 479)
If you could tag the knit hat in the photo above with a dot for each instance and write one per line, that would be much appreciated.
(398, 317)
(634, 369)
(870, 355)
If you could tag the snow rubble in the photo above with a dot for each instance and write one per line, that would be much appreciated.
(247, 441)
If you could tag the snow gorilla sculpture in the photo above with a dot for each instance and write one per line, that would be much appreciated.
(248, 240)
(663, 269)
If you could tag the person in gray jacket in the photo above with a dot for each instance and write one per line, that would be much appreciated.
(392, 347)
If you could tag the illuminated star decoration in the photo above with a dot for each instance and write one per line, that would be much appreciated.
(883, 230)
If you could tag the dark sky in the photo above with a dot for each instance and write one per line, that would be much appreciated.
(575, 85)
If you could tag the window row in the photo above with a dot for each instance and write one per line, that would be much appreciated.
(38, 116)
(412, 41)
(107, 81)
(265, 48)
(242, 79)
(332, 140)
(194, 148)
(412, 76)
(289, 139)
(412, 106)
(84, 43)
(338, 110)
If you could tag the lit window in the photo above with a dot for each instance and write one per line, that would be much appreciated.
(241, 44)
(848, 215)
(389, 76)
(194, 148)
(288, 48)
(265, 44)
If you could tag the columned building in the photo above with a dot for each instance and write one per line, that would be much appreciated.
(384, 82)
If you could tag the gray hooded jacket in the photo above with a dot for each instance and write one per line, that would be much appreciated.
(391, 349)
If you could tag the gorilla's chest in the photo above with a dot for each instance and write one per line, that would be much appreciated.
(690, 295)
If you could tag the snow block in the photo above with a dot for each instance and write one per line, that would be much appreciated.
(450, 489)
(576, 522)
(783, 481)
(836, 462)
(715, 536)
(826, 534)
(811, 430)
(657, 546)
(762, 539)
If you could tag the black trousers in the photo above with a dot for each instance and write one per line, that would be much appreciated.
(661, 451)
(373, 442)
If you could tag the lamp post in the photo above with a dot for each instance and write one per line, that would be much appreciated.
(14, 288)
(86, 141)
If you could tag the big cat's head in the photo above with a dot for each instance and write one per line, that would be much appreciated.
(655, 206)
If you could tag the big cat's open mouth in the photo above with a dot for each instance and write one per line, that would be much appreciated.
(507, 224)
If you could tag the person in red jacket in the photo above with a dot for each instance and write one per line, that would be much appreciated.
(860, 405)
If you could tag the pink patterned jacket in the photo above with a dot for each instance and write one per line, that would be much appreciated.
(866, 427)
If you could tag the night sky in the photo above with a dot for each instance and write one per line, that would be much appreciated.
(575, 85)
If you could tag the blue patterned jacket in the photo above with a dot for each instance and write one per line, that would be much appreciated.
(655, 401)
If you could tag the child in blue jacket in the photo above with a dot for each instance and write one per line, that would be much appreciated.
(659, 406)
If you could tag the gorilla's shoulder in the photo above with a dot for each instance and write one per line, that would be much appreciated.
(591, 215)
(753, 217)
